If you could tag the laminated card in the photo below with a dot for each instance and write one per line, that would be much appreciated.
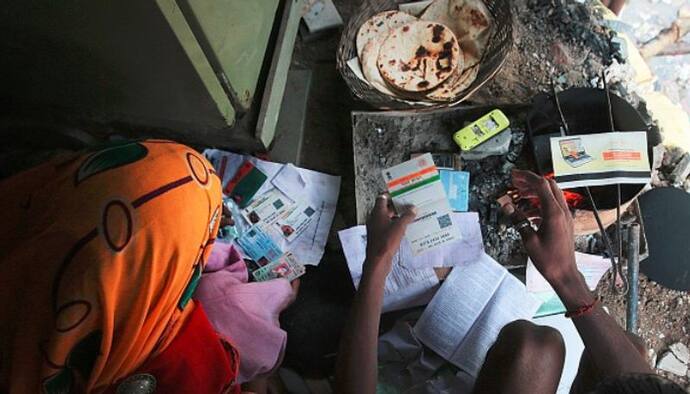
(417, 182)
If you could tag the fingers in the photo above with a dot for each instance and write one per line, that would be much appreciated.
(558, 194)
(226, 217)
(407, 217)
(529, 236)
(531, 182)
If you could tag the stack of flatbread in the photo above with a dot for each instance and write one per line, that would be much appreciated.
(431, 57)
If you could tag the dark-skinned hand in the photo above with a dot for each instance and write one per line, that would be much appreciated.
(385, 230)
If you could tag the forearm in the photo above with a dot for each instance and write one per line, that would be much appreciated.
(608, 345)
(356, 366)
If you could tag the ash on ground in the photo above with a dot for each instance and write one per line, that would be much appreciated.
(557, 40)
(489, 180)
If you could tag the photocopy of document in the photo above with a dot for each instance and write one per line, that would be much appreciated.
(417, 182)
(404, 287)
(467, 313)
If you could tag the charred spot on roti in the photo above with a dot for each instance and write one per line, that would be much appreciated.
(426, 54)
(421, 51)
(379, 24)
(391, 62)
(437, 32)
(444, 61)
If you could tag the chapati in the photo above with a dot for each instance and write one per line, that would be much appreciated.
(370, 55)
(378, 24)
(472, 15)
(469, 20)
(419, 56)
(452, 91)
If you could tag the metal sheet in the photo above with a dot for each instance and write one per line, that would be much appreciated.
(666, 213)
(236, 34)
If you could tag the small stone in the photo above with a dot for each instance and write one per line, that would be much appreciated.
(670, 363)
(681, 352)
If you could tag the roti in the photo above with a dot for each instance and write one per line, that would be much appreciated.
(469, 20)
(380, 24)
(419, 56)
(452, 91)
(439, 11)
(471, 15)
(443, 91)
(370, 54)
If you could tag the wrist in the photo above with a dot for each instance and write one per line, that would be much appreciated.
(572, 290)
(377, 267)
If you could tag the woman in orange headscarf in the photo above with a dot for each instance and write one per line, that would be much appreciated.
(99, 257)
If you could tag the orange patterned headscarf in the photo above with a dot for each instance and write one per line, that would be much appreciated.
(99, 255)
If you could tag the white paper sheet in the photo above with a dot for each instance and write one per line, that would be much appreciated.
(320, 191)
(467, 249)
(591, 266)
(404, 287)
(289, 181)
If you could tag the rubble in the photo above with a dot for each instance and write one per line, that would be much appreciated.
(555, 40)
(681, 352)
(670, 363)
(682, 170)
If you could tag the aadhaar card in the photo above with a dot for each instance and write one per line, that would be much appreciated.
(267, 208)
(286, 267)
(258, 245)
(417, 182)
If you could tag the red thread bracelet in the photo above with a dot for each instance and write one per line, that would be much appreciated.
(581, 311)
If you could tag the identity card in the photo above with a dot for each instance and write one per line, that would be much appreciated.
(285, 267)
(258, 245)
(417, 182)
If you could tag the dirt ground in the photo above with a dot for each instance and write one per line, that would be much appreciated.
(664, 318)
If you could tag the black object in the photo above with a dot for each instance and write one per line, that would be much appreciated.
(586, 112)
(666, 214)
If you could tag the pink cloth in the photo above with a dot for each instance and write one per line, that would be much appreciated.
(245, 313)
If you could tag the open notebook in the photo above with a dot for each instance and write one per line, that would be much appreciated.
(465, 316)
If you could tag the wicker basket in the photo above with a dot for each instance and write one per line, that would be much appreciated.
(500, 43)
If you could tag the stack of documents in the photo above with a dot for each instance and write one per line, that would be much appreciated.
(288, 212)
